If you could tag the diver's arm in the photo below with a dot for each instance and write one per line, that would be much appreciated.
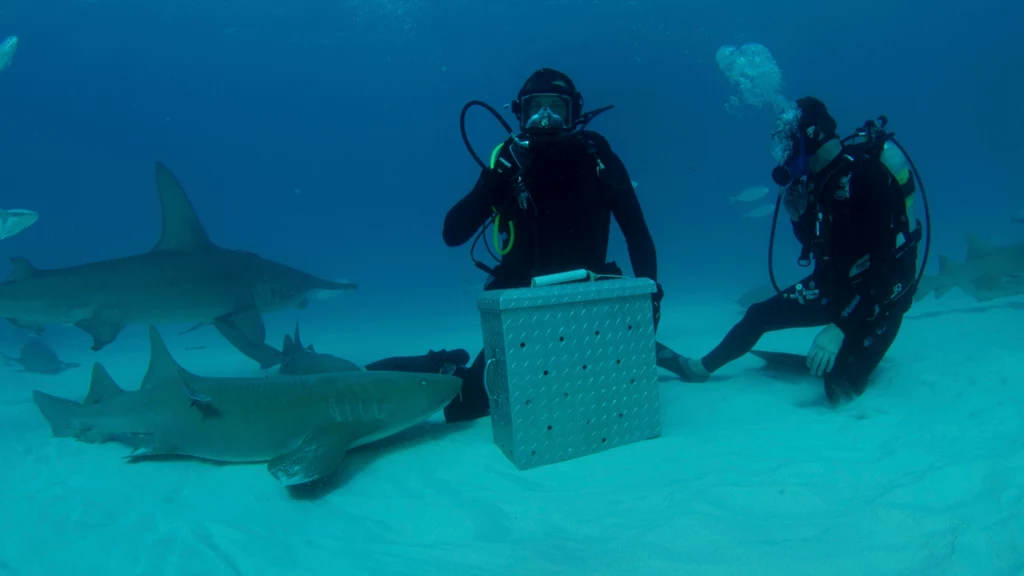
(873, 206)
(469, 214)
(630, 217)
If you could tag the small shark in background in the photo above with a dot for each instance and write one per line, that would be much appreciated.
(783, 362)
(301, 425)
(294, 359)
(988, 272)
(297, 360)
(15, 220)
(37, 357)
(185, 278)
(758, 293)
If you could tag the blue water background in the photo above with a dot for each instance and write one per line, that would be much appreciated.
(325, 134)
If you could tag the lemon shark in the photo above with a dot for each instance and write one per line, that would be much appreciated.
(988, 272)
(184, 278)
(302, 426)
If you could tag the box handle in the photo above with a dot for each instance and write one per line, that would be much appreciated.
(570, 276)
(487, 387)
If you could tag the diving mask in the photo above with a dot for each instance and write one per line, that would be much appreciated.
(545, 112)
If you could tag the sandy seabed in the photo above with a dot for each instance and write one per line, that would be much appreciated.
(753, 475)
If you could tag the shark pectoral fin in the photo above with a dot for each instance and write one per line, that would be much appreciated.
(246, 332)
(317, 456)
(194, 328)
(247, 324)
(102, 330)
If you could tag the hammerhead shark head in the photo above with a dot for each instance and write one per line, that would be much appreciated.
(184, 278)
(301, 425)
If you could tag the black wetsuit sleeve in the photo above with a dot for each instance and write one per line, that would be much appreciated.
(875, 199)
(626, 209)
(469, 214)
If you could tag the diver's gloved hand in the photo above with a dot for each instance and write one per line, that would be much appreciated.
(824, 350)
(656, 299)
(506, 164)
(794, 200)
(501, 178)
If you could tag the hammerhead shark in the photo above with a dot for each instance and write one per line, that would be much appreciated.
(301, 425)
(987, 272)
(184, 278)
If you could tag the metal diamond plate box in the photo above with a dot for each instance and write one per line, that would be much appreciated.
(571, 369)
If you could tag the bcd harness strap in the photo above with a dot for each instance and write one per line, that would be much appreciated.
(593, 141)
(817, 248)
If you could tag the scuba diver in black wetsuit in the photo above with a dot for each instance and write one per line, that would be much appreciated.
(850, 210)
(551, 190)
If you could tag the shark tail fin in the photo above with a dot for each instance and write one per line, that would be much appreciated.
(60, 413)
(163, 368)
(102, 386)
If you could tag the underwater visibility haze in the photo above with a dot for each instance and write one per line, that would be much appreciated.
(800, 353)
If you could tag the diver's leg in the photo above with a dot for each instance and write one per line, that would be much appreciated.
(861, 352)
(429, 363)
(472, 403)
(668, 358)
(780, 312)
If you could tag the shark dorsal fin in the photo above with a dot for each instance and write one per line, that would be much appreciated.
(288, 348)
(182, 228)
(298, 341)
(163, 369)
(977, 247)
(102, 386)
(21, 269)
